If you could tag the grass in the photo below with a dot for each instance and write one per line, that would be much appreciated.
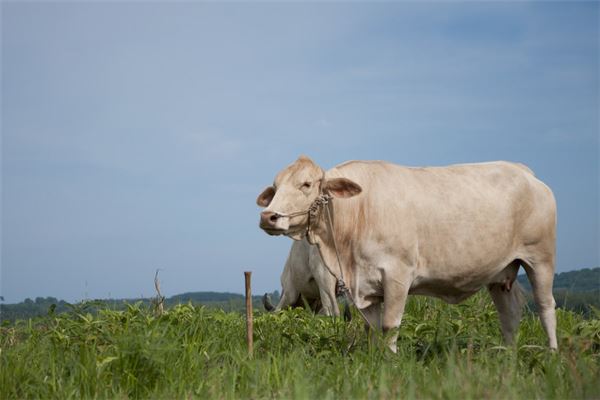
(194, 352)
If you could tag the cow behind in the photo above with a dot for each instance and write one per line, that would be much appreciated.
(306, 279)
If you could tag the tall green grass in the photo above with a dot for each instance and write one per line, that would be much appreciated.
(194, 352)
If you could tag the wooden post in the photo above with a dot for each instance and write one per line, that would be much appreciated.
(249, 329)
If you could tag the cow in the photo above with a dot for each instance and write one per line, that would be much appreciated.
(305, 278)
(447, 232)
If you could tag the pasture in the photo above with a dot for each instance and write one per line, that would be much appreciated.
(195, 352)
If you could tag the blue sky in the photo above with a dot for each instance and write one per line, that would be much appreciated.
(137, 136)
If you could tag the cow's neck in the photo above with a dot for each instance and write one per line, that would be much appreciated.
(321, 234)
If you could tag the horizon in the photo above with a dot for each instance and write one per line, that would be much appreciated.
(259, 295)
(136, 136)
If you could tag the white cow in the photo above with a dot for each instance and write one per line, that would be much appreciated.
(437, 231)
(305, 277)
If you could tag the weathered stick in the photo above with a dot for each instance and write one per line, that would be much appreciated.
(160, 299)
(249, 329)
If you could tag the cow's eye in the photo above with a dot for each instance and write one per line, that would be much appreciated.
(306, 185)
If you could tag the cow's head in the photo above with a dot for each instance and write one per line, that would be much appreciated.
(295, 189)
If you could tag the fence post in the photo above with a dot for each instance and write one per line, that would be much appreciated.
(249, 328)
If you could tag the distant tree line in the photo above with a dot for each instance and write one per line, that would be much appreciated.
(582, 280)
(42, 306)
(32, 308)
(574, 290)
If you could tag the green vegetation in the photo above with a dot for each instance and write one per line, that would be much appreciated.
(197, 352)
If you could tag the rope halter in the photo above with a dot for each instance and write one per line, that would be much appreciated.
(313, 211)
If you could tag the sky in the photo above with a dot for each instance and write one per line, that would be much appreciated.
(137, 136)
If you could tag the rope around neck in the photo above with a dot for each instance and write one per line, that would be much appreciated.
(340, 285)
(323, 200)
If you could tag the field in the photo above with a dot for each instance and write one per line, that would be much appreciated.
(195, 352)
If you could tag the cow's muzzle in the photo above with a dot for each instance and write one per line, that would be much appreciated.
(268, 219)
(273, 223)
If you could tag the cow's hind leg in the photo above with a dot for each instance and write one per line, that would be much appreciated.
(509, 304)
(541, 276)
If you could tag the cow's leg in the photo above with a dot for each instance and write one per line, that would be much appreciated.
(541, 276)
(509, 305)
(330, 305)
(395, 294)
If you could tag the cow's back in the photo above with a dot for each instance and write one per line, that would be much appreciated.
(455, 220)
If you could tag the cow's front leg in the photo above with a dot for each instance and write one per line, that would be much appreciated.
(395, 293)
(330, 305)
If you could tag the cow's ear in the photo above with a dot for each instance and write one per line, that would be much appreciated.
(341, 187)
(264, 199)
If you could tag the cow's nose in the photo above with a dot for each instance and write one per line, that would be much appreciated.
(268, 218)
